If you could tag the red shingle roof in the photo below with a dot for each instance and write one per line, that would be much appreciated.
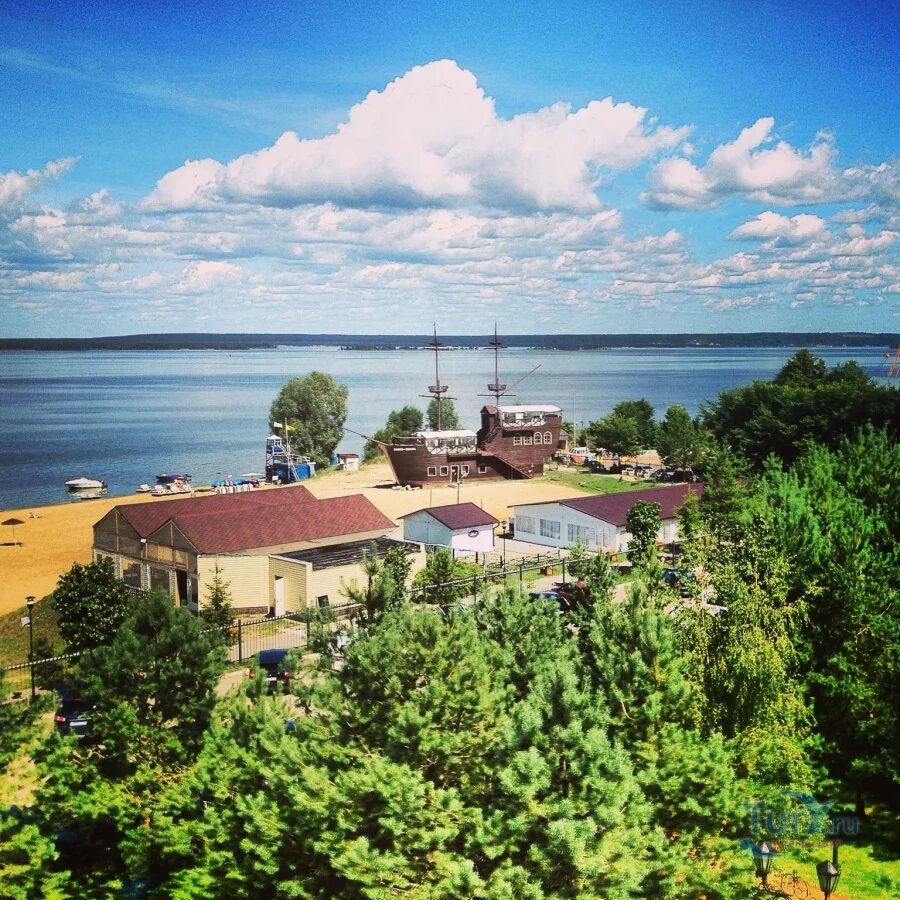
(145, 518)
(234, 522)
(613, 508)
(459, 515)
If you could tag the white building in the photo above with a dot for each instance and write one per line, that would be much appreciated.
(598, 522)
(349, 462)
(463, 527)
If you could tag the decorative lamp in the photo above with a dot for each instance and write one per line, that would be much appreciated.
(762, 860)
(828, 874)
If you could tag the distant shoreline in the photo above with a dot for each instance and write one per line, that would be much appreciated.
(384, 342)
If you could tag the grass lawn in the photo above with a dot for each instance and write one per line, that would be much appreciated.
(14, 635)
(595, 484)
(868, 872)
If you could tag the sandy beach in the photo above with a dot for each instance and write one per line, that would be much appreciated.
(54, 537)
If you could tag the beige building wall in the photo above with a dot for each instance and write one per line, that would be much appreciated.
(295, 575)
(302, 581)
(247, 577)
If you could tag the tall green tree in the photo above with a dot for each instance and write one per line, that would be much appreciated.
(726, 496)
(400, 422)
(838, 514)
(618, 434)
(643, 414)
(449, 415)
(643, 523)
(804, 404)
(90, 604)
(747, 661)
(635, 666)
(152, 688)
(151, 692)
(312, 410)
(680, 441)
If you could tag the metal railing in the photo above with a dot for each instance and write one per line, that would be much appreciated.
(244, 639)
(295, 630)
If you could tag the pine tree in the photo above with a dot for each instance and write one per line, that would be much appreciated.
(217, 612)
(643, 523)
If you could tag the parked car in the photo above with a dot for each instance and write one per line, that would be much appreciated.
(271, 663)
(71, 716)
(555, 596)
(680, 579)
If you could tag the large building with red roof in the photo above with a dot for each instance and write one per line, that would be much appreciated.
(279, 550)
(598, 522)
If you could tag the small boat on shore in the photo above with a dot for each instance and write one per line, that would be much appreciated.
(176, 486)
(85, 484)
(144, 489)
(170, 479)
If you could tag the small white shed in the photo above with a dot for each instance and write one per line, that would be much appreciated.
(463, 527)
(349, 462)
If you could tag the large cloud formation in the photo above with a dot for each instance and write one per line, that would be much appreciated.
(426, 202)
(432, 137)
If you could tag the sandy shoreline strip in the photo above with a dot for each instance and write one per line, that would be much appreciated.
(54, 537)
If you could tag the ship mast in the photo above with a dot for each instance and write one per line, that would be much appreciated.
(496, 388)
(437, 390)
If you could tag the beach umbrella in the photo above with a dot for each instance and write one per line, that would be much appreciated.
(12, 523)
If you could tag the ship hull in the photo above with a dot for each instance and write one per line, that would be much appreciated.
(501, 452)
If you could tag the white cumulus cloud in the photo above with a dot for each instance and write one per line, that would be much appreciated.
(208, 274)
(749, 167)
(15, 186)
(773, 226)
(432, 137)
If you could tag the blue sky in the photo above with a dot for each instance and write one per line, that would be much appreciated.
(572, 167)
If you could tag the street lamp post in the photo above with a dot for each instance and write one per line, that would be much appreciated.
(29, 602)
(762, 860)
(829, 872)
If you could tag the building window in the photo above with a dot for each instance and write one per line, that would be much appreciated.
(525, 524)
(322, 601)
(581, 534)
(538, 438)
(464, 470)
(482, 470)
(548, 437)
(549, 528)
(517, 440)
(131, 574)
(445, 470)
(526, 440)
(159, 578)
(432, 471)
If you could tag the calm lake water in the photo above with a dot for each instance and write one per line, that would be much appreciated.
(124, 417)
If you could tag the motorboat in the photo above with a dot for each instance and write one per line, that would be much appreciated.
(144, 489)
(165, 478)
(86, 484)
(177, 486)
